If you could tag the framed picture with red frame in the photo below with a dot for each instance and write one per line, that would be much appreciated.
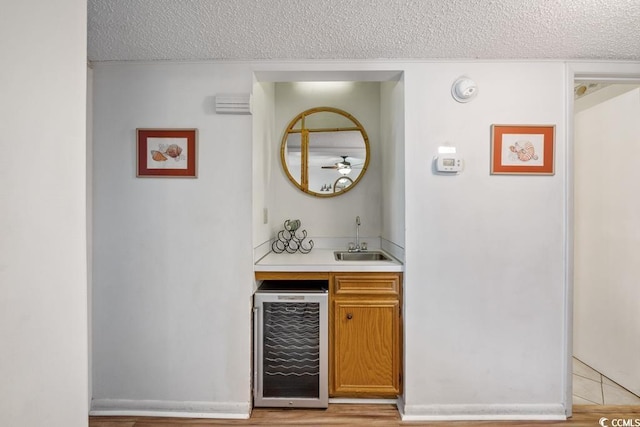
(166, 153)
(522, 149)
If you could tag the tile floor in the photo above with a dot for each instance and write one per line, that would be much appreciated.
(590, 387)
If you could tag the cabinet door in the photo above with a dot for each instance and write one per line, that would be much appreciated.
(366, 353)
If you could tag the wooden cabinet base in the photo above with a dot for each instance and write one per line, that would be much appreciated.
(365, 330)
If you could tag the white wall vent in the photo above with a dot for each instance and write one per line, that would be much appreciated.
(233, 103)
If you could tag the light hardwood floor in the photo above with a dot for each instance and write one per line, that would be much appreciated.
(370, 415)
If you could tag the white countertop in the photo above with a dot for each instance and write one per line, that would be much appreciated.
(321, 260)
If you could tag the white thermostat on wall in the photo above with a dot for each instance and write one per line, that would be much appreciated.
(447, 160)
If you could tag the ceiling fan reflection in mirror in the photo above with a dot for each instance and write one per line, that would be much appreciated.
(343, 166)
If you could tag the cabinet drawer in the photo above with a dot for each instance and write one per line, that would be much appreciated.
(367, 284)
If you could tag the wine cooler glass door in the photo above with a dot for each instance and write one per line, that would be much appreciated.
(291, 356)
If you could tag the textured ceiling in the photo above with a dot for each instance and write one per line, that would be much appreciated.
(363, 29)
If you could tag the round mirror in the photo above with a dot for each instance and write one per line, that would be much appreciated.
(325, 151)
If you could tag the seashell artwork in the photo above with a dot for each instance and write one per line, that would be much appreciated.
(166, 152)
(525, 152)
(174, 150)
(522, 149)
(158, 156)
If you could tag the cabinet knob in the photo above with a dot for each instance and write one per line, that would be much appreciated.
(349, 316)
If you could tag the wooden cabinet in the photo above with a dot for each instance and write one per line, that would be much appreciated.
(365, 335)
(365, 331)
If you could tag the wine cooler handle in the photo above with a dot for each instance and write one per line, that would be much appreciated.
(256, 353)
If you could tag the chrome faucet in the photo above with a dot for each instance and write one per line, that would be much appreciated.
(357, 247)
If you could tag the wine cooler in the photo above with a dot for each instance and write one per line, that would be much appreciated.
(290, 344)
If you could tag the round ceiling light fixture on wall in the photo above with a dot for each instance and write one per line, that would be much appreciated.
(464, 89)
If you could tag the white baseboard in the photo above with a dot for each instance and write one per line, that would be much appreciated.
(163, 408)
(477, 412)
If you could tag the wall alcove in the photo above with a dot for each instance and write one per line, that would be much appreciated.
(376, 99)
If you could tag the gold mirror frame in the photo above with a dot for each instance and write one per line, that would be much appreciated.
(298, 126)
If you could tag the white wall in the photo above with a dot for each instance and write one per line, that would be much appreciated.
(392, 124)
(43, 282)
(607, 240)
(172, 271)
(89, 218)
(484, 282)
(264, 137)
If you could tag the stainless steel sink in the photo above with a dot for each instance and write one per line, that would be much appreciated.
(361, 256)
